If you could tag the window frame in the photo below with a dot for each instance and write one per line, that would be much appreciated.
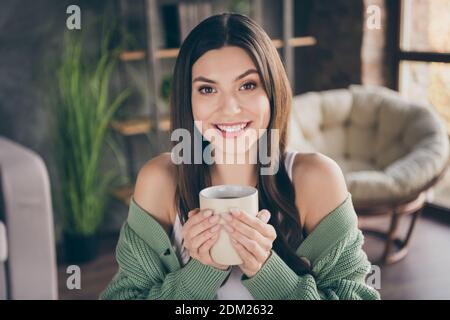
(402, 55)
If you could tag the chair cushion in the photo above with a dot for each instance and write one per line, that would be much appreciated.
(387, 147)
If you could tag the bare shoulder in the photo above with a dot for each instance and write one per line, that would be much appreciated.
(319, 187)
(155, 189)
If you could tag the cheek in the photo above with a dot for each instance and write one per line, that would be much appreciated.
(202, 108)
(261, 109)
(202, 111)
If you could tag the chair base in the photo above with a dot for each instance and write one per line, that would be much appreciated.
(396, 248)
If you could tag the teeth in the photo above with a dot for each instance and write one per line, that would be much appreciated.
(232, 128)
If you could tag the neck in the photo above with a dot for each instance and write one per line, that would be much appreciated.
(237, 169)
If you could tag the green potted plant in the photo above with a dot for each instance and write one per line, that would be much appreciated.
(81, 123)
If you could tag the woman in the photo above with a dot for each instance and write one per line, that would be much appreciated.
(304, 243)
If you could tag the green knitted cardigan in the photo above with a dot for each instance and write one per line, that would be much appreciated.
(149, 267)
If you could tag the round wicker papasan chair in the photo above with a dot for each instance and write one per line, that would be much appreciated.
(391, 151)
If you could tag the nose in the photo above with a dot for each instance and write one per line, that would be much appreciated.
(230, 105)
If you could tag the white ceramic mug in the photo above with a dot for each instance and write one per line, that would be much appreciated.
(221, 199)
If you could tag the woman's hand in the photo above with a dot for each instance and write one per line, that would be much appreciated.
(200, 233)
(252, 237)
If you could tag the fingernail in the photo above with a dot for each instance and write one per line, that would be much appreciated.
(235, 211)
(215, 228)
(227, 217)
(265, 215)
(214, 219)
(190, 213)
(207, 213)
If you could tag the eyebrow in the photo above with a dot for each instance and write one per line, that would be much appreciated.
(246, 73)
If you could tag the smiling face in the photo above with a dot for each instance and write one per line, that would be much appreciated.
(229, 99)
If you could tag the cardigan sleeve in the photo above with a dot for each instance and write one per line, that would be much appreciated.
(338, 275)
(339, 265)
(142, 275)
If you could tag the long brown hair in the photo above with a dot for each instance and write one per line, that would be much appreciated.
(276, 192)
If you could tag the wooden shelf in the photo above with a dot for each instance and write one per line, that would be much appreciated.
(124, 193)
(133, 126)
(139, 126)
(167, 53)
(173, 52)
(296, 42)
(164, 124)
(140, 54)
(132, 55)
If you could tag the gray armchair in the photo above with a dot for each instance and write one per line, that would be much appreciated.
(390, 150)
(27, 247)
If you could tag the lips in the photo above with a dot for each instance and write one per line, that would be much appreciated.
(229, 130)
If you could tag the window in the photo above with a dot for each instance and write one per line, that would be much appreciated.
(423, 57)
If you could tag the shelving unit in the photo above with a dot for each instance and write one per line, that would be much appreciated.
(155, 53)
(153, 123)
(173, 53)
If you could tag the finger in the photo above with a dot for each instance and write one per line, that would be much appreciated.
(254, 222)
(205, 255)
(252, 246)
(192, 212)
(206, 246)
(247, 257)
(197, 241)
(197, 216)
(188, 236)
(203, 250)
(194, 244)
(203, 225)
(264, 215)
(245, 229)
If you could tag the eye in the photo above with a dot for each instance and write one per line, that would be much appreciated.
(249, 85)
(206, 90)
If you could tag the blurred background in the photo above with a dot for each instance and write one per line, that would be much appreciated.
(84, 89)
